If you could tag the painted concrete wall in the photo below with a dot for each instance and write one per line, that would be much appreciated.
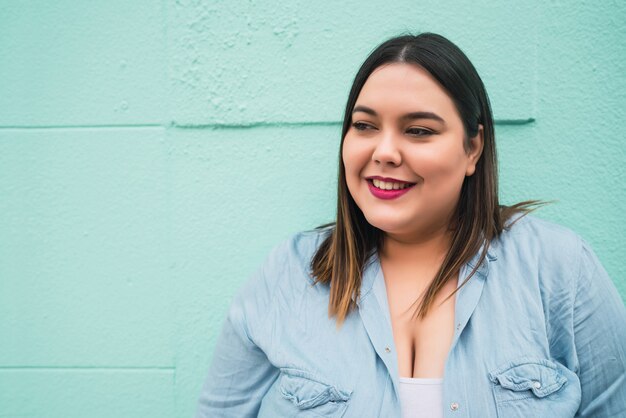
(151, 153)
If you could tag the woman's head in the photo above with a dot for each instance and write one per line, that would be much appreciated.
(406, 154)
(417, 115)
(445, 154)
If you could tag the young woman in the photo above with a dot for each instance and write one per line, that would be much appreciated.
(425, 297)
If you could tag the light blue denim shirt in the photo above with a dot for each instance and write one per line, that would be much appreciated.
(540, 331)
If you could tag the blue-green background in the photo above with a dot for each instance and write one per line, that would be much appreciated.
(152, 152)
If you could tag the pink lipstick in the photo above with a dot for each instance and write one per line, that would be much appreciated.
(388, 194)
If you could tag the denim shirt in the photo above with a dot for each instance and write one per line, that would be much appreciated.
(540, 331)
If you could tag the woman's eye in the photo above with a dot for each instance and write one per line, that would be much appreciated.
(419, 132)
(360, 126)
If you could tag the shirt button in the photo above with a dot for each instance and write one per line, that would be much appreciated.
(458, 326)
(454, 406)
(537, 385)
(387, 349)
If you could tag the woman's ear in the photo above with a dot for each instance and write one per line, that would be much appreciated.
(475, 150)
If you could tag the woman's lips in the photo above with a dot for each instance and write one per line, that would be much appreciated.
(387, 194)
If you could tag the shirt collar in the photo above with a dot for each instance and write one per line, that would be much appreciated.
(372, 267)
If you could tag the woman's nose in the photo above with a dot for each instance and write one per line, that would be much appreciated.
(386, 151)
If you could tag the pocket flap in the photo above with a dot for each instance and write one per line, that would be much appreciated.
(541, 376)
(307, 392)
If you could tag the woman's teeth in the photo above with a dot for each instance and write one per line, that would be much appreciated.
(385, 185)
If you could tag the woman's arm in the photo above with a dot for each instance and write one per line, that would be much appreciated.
(240, 373)
(600, 341)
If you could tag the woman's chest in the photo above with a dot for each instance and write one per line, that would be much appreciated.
(422, 343)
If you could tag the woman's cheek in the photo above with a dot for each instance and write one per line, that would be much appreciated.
(444, 165)
(354, 157)
(348, 156)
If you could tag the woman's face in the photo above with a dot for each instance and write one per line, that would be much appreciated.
(404, 156)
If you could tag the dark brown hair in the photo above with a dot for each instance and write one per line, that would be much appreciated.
(478, 218)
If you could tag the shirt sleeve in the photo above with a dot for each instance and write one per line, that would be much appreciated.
(240, 373)
(600, 341)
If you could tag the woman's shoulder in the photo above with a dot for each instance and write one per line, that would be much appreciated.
(298, 249)
(527, 229)
(288, 263)
(532, 240)
(280, 280)
(304, 244)
(526, 223)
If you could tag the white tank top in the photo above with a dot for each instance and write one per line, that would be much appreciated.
(421, 398)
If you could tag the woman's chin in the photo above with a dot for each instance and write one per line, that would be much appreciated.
(389, 226)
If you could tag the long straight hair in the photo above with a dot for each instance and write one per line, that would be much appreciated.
(478, 218)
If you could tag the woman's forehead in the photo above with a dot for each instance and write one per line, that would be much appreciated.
(404, 86)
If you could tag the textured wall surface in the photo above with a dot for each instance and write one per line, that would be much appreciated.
(151, 153)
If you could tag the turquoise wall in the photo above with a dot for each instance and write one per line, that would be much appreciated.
(151, 153)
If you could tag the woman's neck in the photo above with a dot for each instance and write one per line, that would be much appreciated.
(428, 249)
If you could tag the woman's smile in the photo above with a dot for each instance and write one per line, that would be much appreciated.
(388, 188)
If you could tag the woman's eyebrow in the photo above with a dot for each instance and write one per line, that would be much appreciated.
(364, 109)
(423, 115)
(408, 116)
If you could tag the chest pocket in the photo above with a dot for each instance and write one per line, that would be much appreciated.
(306, 396)
(535, 388)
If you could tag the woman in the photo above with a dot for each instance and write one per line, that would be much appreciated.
(425, 298)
